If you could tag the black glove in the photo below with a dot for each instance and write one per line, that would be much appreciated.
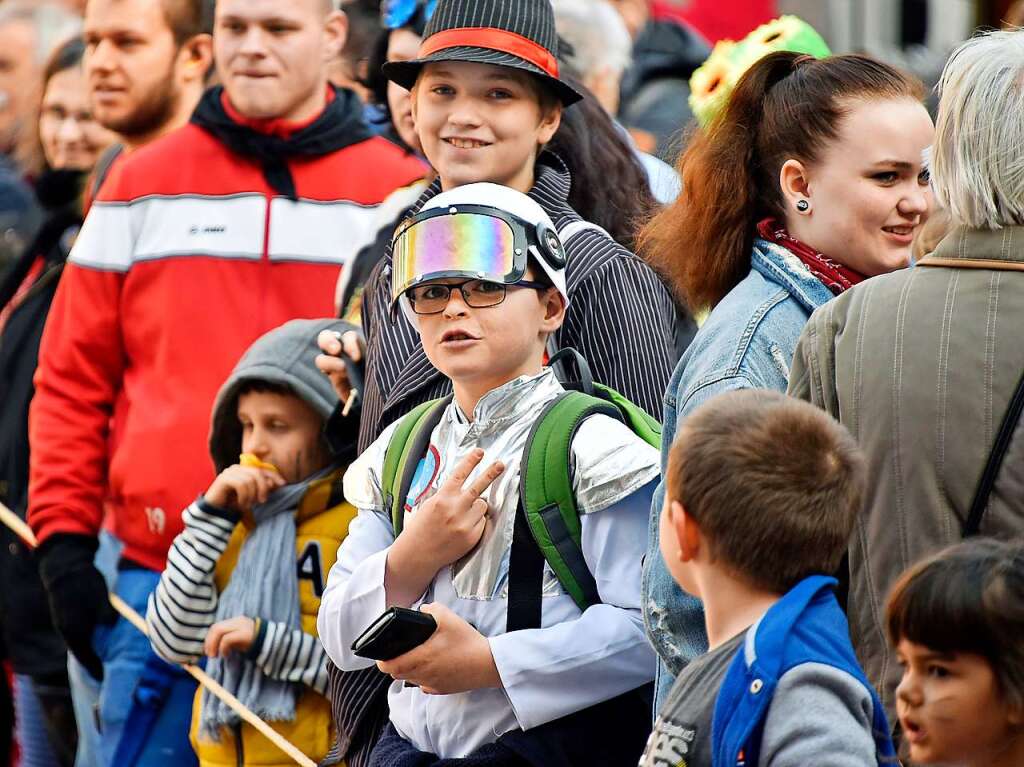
(77, 592)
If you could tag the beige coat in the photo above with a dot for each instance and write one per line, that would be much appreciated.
(920, 365)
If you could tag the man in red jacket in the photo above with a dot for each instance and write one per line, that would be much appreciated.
(197, 244)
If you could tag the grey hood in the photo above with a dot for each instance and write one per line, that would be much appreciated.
(285, 355)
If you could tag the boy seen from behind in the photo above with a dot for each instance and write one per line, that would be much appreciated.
(762, 495)
(231, 591)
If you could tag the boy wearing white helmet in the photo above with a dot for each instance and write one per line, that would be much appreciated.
(513, 673)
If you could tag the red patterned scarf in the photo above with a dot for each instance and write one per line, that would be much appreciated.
(831, 274)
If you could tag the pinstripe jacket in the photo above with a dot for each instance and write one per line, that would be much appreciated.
(621, 319)
(920, 366)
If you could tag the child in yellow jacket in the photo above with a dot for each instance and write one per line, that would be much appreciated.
(227, 592)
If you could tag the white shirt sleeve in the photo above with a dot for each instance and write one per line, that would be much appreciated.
(354, 595)
(604, 652)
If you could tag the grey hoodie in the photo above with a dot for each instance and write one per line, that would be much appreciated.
(285, 355)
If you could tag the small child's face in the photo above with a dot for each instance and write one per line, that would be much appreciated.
(481, 122)
(485, 347)
(283, 430)
(951, 708)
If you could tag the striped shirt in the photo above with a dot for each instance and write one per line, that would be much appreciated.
(621, 318)
(184, 606)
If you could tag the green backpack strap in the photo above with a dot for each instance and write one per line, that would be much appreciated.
(635, 417)
(407, 446)
(545, 487)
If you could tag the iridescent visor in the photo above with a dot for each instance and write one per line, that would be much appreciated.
(454, 245)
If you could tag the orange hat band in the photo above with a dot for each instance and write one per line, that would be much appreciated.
(495, 40)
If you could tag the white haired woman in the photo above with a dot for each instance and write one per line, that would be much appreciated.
(922, 364)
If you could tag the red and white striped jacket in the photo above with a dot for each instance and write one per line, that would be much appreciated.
(187, 256)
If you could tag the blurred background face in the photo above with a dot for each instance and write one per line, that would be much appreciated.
(19, 77)
(403, 45)
(634, 12)
(272, 55)
(70, 135)
(131, 63)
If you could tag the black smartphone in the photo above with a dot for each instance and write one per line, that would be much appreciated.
(394, 633)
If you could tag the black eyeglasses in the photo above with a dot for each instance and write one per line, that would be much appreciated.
(433, 297)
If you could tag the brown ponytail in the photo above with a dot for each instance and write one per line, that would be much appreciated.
(786, 106)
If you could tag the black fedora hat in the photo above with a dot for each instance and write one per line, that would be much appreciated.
(508, 33)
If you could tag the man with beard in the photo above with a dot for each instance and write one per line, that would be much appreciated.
(146, 63)
(196, 245)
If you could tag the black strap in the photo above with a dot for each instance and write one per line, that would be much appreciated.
(585, 382)
(995, 462)
(525, 577)
(103, 166)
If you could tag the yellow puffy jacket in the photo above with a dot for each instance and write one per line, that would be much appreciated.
(319, 531)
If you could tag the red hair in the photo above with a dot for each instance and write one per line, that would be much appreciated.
(786, 106)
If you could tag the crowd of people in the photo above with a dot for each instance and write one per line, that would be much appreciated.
(600, 434)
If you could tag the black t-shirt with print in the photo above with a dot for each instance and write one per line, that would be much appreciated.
(682, 731)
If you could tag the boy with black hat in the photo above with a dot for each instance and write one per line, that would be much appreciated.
(228, 592)
(520, 669)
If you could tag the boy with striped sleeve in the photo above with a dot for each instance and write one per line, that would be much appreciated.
(227, 592)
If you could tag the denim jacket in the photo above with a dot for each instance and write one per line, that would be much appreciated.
(747, 341)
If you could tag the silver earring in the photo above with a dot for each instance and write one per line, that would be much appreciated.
(803, 206)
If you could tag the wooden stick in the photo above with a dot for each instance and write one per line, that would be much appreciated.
(23, 531)
(18, 526)
(350, 402)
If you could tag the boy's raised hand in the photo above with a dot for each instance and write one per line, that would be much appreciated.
(442, 530)
(456, 658)
(449, 524)
(239, 488)
(233, 635)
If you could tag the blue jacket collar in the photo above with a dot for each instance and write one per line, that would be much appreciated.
(779, 265)
(805, 626)
(767, 638)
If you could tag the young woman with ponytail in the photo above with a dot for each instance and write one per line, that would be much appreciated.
(810, 181)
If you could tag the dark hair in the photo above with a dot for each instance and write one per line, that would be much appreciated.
(377, 57)
(774, 483)
(968, 598)
(67, 56)
(609, 185)
(364, 33)
(188, 18)
(259, 386)
(786, 106)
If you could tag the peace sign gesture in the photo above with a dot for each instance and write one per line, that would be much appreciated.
(443, 529)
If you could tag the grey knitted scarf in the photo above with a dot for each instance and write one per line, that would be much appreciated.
(264, 585)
